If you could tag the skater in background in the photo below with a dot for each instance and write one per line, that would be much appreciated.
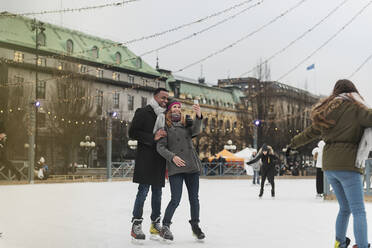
(340, 120)
(318, 157)
(268, 160)
(256, 168)
(149, 170)
(3, 156)
(183, 165)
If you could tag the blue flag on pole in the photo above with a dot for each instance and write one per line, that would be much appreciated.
(310, 67)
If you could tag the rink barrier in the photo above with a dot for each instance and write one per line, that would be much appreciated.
(223, 169)
(329, 195)
(20, 165)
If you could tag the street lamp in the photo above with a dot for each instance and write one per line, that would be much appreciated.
(256, 123)
(229, 146)
(39, 29)
(87, 145)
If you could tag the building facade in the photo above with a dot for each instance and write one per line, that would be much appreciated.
(78, 79)
(282, 110)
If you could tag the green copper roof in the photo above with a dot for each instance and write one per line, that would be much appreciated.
(17, 30)
(196, 90)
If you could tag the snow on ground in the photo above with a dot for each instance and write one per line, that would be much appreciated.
(97, 215)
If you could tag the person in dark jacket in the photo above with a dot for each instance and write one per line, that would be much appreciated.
(183, 165)
(340, 120)
(269, 160)
(149, 170)
(3, 156)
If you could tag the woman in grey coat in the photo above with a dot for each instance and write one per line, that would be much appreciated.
(183, 164)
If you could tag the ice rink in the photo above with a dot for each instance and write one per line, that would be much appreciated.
(97, 215)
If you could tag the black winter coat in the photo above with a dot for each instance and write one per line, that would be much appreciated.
(150, 166)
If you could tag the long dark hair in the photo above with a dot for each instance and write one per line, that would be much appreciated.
(320, 110)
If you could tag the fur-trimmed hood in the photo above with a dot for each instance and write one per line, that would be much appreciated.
(271, 150)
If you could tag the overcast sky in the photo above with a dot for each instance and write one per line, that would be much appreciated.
(338, 59)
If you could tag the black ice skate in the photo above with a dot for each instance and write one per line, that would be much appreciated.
(261, 193)
(197, 232)
(338, 244)
(137, 233)
(272, 193)
(166, 233)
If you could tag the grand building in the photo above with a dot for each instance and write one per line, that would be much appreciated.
(282, 111)
(80, 80)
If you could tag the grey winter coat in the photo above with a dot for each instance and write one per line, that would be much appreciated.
(179, 142)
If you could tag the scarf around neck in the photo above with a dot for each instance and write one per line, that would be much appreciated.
(156, 107)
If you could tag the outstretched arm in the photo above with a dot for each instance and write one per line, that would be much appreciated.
(254, 160)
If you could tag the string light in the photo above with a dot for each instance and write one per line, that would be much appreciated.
(327, 41)
(360, 66)
(243, 38)
(198, 21)
(197, 33)
(298, 38)
(115, 4)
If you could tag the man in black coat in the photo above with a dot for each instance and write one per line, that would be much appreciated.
(3, 158)
(149, 170)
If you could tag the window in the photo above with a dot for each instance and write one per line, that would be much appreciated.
(228, 126)
(118, 58)
(220, 124)
(18, 91)
(62, 91)
(41, 119)
(143, 101)
(116, 76)
(83, 69)
(99, 73)
(205, 123)
(18, 56)
(80, 92)
(116, 100)
(95, 52)
(40, 90)
(99, 98)
(41, 39)
(213, 124)
(139, 62)
(69, 46)
(130, 79)
(41, 62)
(130, 102)
(235, 124)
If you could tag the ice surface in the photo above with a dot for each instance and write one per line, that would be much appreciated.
(97, 215)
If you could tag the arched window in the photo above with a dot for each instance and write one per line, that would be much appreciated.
(69, 46)
(41, 39)
(118, 58)
(139, 62)
(213, 124)
(95, 52)
(205, 123)
(228, 126)
(220, 124)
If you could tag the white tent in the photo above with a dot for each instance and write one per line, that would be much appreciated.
(246, 154)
